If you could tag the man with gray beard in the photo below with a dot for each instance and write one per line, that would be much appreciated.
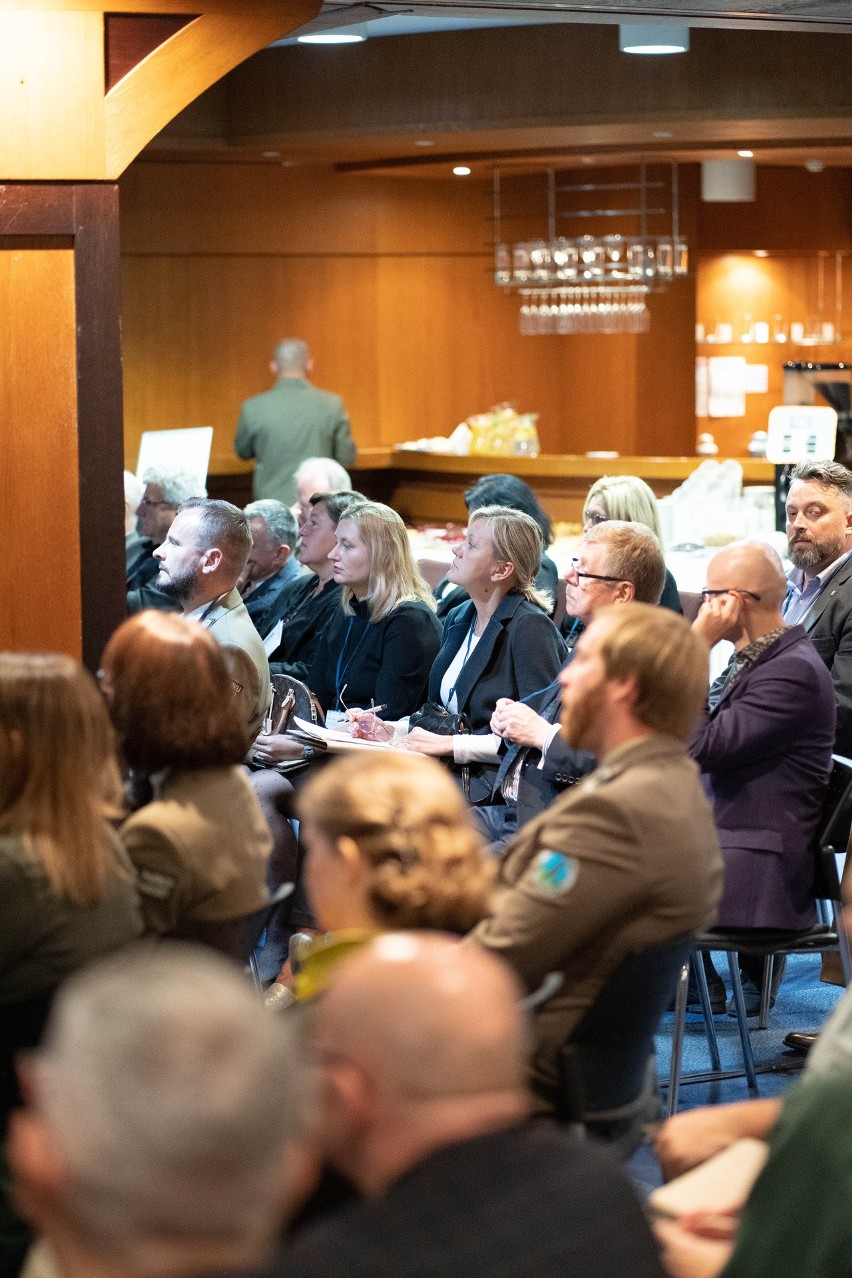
(819, 597)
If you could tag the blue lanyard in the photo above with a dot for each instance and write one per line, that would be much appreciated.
(340, 674)
(452, 691)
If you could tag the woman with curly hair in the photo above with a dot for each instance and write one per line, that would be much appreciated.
(390, 844)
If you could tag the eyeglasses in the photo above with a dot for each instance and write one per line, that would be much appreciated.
(731, 590)
(147, 502)
(592, 576)
(593, 519)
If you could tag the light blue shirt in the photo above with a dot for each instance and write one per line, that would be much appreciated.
(803, 592)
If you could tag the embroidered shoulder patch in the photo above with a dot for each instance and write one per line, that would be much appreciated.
(554, 873)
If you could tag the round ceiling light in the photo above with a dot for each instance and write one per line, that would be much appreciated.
(461, 170)
(653, 37)
(332, 37)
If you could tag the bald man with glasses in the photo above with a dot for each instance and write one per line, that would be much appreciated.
(764, 746)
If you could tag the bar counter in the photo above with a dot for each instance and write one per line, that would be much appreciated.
(428, 487)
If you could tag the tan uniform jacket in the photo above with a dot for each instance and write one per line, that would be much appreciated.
(200, 850)
(231, 626)
(627, 858)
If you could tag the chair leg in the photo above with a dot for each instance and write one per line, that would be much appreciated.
(766, 992)
(677, 1039)
(742, 1020)
(706, 1011)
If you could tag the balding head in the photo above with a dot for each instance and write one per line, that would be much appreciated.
(753, 568)
(424, 1044)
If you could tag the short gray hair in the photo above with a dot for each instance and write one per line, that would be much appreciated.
(334, 478)
(173, 1097)
(279, 519)
(291, 355)
(828, 473)
(177, 485)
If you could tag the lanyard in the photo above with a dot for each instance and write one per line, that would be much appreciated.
(340, 674)
(452, 691)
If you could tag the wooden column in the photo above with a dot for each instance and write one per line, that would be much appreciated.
(81, 92)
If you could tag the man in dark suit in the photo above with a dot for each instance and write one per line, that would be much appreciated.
(422, 1046)
(271, 566)
(617, 563)
(764, 747)
(819, 597)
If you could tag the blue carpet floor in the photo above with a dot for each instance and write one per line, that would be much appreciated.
(803, 1004)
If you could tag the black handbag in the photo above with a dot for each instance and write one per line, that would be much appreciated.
(434, 717)
(291, 699)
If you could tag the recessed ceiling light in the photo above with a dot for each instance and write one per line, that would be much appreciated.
(653, 37)
(745, 155)
(661, 133)
(814, 165)
(761, 253)
(424, 142)
(461, 170)
(271, 155)
(332, 37)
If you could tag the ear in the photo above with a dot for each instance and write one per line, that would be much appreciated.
(502, 572)
(282, 555)
(273, 368)
(849, 521)
(624, 691)
(39, 1172)
(350, 853)
(211, 560)
(624, 592)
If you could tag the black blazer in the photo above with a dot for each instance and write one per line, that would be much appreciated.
(829, 627)
(520, 652)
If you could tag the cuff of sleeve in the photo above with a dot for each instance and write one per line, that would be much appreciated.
(544, 749)
(470, 748)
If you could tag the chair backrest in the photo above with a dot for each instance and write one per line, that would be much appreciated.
(561, 606)
(690, 602)
(605, 1060)
(238, 937)
(834, 829)
(433, 570)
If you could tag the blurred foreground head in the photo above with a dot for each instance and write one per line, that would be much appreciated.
(164, 1111)
(422, 1043)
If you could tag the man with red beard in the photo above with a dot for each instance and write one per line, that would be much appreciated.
(627, 858)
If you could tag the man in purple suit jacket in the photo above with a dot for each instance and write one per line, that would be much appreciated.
(764, 744)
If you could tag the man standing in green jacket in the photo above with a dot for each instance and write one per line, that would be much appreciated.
(284, 426)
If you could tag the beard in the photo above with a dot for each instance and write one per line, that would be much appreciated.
(580, 717)
(179, 586)
(810, 554)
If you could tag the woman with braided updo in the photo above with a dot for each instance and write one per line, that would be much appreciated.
(390, 845)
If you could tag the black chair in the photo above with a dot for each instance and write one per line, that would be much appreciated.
(608, 1067)
(238, 937)
(830, 844)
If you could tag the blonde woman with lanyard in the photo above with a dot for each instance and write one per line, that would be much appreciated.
(500, 644)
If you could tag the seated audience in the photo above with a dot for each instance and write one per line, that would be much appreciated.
(389, 843)
(318, 475)
(310, 602)
(164, 1122)
(68, 893)
(271, 566)
(200, 846)
(164, 491)
(617, 563)
(201, 559)
(422, 1044)
(629, 857)
(629, 498)
(505, 490)
(796, 1219)
(501, 643)
(764, 748)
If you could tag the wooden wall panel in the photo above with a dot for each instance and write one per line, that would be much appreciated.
(38, 451)
(390, 283)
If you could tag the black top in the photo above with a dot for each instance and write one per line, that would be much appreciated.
(385, 661)
(306, 616)
(520, 652)
(546, 579)
(524, 1202)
